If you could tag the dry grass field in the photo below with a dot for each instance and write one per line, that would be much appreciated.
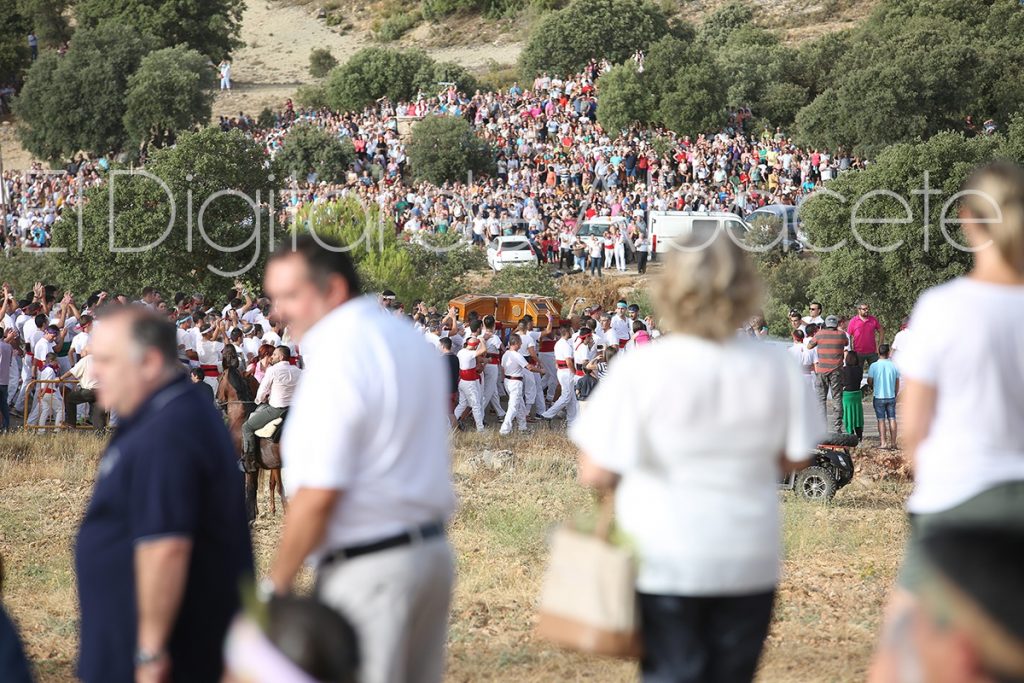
(840, 561)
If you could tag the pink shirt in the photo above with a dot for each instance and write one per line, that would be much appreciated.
(863, 333)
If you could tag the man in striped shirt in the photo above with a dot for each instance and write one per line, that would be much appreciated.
(830, 344)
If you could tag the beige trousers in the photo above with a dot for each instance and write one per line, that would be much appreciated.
(398, 602)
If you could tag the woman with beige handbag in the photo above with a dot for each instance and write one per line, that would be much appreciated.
(691, 432)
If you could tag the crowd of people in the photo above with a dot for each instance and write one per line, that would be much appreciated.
(555, 167)
(164, 545)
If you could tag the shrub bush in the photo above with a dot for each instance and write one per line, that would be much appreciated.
(321, 61)
(445, 149)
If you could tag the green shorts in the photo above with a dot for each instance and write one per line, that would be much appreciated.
(1000, 507)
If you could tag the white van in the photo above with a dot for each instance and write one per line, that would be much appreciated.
(664, 226)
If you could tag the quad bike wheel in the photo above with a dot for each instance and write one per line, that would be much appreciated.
(815, 484)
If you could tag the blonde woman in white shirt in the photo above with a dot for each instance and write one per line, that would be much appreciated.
(696, 492)
(962, 413)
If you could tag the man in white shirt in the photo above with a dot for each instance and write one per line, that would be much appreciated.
(583, 351)
(515, 368)
(80, 340)
(83, 393)
(491, 373)
(622, 325)
(272, 398)
(566, 371)
(815, 316)
(469, 381)
(366, 465)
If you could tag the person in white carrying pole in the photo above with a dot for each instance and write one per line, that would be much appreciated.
(469, 381)
(566, 374)
(516, 368)
(533, 379)
(491, 370)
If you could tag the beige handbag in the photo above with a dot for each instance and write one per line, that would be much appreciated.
(588, 598)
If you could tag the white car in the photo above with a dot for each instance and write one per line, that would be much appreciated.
(510, 251)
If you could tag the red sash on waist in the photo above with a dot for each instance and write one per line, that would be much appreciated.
(622, 343)
(49, 391)
(547, 346)
(469, 375)
(562, 365)
(580, 373)
(495, 358)
(40, 364)
(209, 370)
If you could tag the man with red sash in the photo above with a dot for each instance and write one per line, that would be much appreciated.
(492, 369)
(469, 381)
(566, 371)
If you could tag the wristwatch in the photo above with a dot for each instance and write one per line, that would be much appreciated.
(145, 657)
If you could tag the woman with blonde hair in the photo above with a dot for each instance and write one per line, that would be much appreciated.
(707, 422)
(962, 420)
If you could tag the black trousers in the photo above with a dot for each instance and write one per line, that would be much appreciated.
(74, 397)
(641, 261)
(705, 639)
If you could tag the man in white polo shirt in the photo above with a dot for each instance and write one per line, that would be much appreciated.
(273, 397)
(566, 378)
(367, 466)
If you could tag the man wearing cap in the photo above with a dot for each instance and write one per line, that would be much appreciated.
(367, 466)
(470, 392)
(830, 344)
(566, 370)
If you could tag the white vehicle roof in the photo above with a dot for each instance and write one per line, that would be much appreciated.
(698, 214)
(606, 220)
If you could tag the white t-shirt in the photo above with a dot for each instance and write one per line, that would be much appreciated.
(698, 491)
(976, 439)
(369, 418)
(563, 350)
(581, 354)
(513, 364)
(79, 343)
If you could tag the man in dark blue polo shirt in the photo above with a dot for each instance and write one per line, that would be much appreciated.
(164, 543)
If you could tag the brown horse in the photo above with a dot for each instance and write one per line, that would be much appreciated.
(236, 392)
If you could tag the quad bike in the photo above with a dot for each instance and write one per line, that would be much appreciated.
(831, 469)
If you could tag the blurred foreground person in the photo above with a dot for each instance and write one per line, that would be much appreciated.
(304, 641)
(164, 543)
(962, 396)
(14, 667)
(367, 467)
(697, 493)
(967, 625)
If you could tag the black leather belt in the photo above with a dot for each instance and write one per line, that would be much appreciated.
(423, 533)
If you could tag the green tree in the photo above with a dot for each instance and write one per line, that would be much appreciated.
(74, 102)
(198, 167)
(535, 280)
(48, 18)
(888, 84)
(376, 72)
(321, 61)
(444, 149)
(308, 149)
(719, 26)
(14, 54)
(694, 99)
(211, 27)
(624, 98)
(893, 279)
(170, 92)
(564, 41)
(754, 62)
